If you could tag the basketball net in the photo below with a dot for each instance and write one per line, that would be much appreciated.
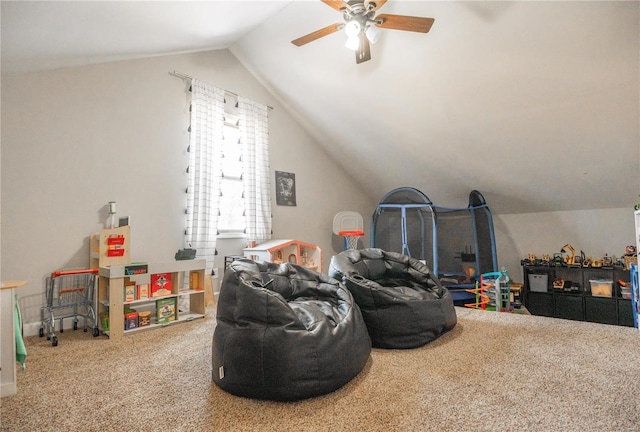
(351, 238)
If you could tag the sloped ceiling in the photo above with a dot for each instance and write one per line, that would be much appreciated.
(41, 35)
(535, 104)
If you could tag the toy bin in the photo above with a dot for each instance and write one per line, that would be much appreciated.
(538, 282)
(625, 293)
(601, 287)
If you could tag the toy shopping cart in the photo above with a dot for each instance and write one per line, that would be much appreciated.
(69, 294)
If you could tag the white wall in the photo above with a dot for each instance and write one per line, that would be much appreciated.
(595, 232)
(74, 139)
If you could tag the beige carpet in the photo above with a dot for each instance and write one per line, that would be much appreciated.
(493, 372)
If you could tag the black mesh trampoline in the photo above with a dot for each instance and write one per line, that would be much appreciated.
(457, 244)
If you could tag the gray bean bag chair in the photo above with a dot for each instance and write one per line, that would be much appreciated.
(285, 332)
(403, 305)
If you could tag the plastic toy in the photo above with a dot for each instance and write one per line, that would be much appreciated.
(493, 286)
(569, 260)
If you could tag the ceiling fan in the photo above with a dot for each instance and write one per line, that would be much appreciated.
(363, 26)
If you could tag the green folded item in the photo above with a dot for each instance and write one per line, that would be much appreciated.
(21, 350)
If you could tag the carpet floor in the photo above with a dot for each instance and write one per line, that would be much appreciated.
(492, 372)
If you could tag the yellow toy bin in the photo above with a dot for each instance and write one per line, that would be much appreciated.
(601, 287)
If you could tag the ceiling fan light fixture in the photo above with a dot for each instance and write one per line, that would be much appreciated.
(352, 28)
(353, 43)
(373, 33)
(363, 27)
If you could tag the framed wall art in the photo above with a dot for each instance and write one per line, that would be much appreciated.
(285, 188)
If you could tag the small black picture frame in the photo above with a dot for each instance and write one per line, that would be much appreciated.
(285, 188)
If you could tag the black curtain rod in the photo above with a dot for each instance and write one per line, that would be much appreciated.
(188, 77)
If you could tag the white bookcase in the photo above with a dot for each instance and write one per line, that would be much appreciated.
(111, 292)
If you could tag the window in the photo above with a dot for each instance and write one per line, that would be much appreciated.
(228, 192)
(231, 222)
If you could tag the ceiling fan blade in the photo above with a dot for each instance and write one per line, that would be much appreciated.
(402, 22)
(317, 34)
(377, 3)
(364, 53)
(336, 4)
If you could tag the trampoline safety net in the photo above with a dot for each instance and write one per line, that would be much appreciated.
(457, 244)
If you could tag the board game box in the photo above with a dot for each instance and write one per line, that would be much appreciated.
(160, 284)
(165, 310)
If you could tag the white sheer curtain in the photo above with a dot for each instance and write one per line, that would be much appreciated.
(254, 136)
(205, 149)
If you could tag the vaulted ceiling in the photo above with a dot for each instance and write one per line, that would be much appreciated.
(535, 104)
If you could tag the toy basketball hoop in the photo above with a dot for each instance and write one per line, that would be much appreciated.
(349, 225)
(351, 238)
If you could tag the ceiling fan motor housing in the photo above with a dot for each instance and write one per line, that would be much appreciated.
(360, 14)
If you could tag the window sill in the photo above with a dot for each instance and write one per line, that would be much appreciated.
(231, 235)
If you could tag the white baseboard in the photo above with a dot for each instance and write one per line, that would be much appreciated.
(30, 329)
(33, 328)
